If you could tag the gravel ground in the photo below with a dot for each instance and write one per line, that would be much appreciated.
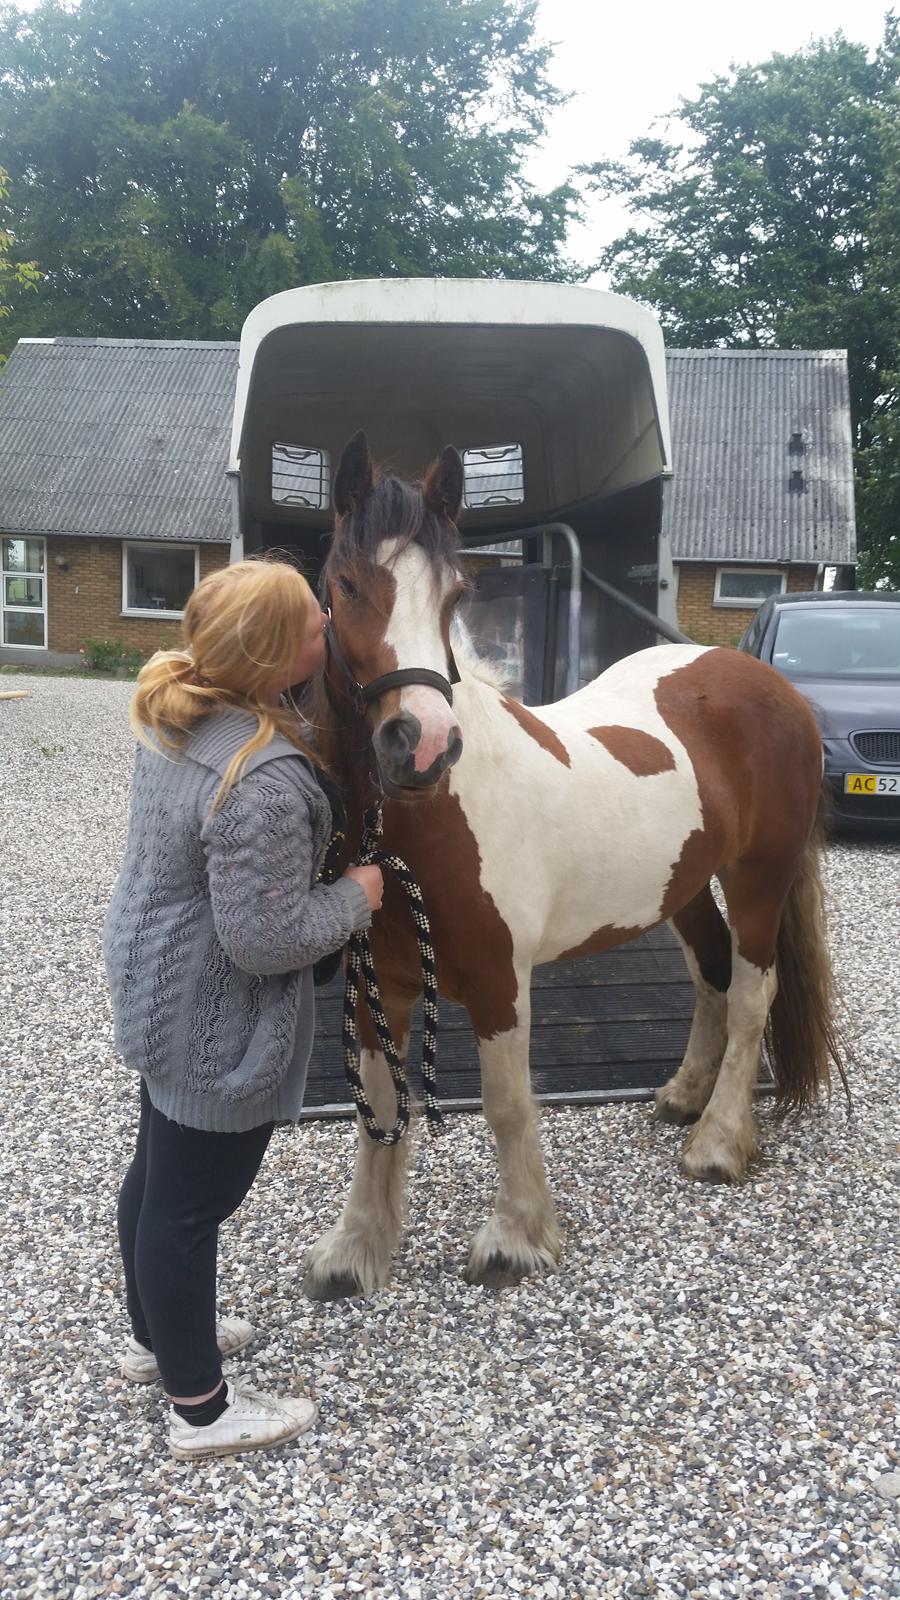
(702, 1402)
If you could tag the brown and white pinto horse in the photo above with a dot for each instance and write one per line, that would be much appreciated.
(542, 834)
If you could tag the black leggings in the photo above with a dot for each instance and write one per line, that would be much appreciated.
(181, 1184)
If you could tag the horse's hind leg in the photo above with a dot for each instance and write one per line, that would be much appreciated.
(703, 936)
(521, 1236)
(722, 1144)
(354, 1257)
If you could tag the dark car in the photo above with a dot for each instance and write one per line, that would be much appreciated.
(842, 651)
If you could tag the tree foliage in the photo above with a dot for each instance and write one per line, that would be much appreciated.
(14, 274)
(174, 161)
(770, 217)
(878, 491)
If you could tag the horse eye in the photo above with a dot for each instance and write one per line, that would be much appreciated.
(348, 590)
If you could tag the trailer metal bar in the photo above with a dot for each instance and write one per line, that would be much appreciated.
(573, 661)
(548, 530)
(665, 629)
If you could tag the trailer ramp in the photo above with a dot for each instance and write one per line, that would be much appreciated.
(609, 1027)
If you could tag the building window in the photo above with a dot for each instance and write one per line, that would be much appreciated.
(301, 476)
(24, 596)
(157, 578)
(494, 476)
(746, 586)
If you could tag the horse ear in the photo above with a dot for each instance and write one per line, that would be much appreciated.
(355, 477)
(443, 486)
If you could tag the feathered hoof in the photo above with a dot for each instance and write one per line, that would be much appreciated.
(495, 1263)
(344, 1265)
(670, 1109)
(711, 1156)
(498, 1272)
(336, 1286)
(709, 1172)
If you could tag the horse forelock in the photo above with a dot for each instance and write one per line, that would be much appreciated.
(393, 510)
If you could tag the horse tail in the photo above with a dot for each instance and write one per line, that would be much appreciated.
(803, 1040)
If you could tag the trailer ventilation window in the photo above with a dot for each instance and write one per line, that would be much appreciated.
(301, 476)
(494, 476)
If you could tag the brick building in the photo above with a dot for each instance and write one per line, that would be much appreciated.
(114, 501)
(761, 498)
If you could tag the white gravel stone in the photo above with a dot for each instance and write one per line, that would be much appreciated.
(702, 1403)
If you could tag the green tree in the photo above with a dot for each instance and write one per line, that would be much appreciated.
(21, 275)
(176, 160)
(878, 492)
(770, 217)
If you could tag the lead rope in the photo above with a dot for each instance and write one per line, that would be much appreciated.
(359, 961)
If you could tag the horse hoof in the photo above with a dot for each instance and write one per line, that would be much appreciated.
(710, 1172)
(714, 1155)
(680, 1116)
(498, 1272)
(336, 1286)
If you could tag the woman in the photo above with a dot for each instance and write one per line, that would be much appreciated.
(214, 924)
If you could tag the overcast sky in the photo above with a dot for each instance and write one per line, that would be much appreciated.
(630, 64)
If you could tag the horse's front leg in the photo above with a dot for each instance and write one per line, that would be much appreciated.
(354, 1257)
(521, 1237)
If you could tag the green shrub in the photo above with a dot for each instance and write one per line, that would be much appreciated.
(111, 655)
(132, 660)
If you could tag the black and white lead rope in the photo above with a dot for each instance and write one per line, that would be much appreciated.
(360, 967)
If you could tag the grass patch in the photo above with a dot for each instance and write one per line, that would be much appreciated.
(8, 670)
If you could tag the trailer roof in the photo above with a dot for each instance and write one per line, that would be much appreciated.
(575, 376)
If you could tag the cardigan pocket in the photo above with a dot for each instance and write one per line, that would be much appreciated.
(269, 1049)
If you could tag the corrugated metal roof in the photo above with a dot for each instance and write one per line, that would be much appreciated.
(733, 415)
(117, 438)
(129, 439)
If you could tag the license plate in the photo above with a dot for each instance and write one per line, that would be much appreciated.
(866, 783)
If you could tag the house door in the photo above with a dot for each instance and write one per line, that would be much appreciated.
(24, 593)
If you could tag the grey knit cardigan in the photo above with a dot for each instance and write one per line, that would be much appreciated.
(213, 925)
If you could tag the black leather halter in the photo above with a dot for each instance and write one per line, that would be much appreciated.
(364, 693)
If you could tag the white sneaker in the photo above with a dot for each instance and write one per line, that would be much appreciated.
(250, 1421)
(139, 1363)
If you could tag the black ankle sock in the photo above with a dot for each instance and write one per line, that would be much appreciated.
(209, 1411)
(145, 1342)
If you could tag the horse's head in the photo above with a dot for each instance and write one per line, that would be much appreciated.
(391, 582)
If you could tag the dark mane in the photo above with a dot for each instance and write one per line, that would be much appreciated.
(393, 510)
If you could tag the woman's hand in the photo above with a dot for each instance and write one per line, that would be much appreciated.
(371, 880)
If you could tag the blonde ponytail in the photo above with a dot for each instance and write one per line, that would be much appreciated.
(241, 627)
(168, 698)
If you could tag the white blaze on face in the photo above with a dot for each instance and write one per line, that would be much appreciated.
(414, 635)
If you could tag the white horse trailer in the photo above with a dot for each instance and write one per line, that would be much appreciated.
(556, 397)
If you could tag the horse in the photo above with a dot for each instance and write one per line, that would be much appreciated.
(541, 834)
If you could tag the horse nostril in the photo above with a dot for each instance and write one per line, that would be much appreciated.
(399, 735)
(454, 746)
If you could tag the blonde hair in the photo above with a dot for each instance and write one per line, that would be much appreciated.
(242, 625)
